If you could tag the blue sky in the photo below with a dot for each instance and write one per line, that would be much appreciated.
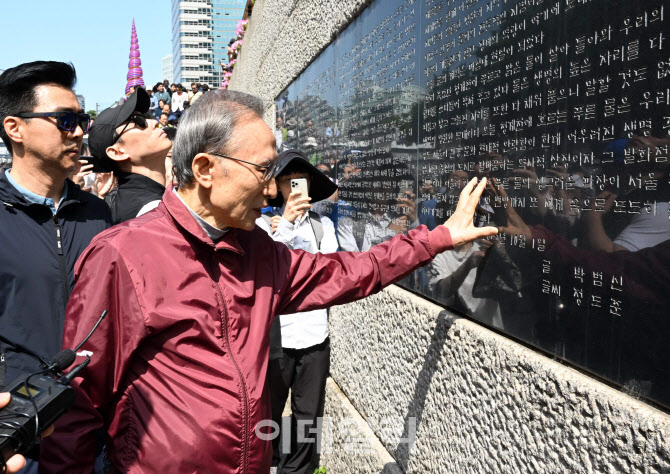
(94, 35)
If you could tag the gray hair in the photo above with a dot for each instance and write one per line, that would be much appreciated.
(209, 126)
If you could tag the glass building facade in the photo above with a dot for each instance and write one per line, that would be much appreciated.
(201, 31)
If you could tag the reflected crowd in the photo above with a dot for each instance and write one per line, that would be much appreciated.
(573, 138)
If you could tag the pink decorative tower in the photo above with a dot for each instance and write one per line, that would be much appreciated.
(135, 64)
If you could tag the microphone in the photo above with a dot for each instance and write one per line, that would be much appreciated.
(102, 316)
(37, 399)
(62, 360)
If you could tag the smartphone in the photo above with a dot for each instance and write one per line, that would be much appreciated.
(300, 184)
(97, 167)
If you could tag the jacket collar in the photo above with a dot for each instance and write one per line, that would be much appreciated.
(133, 180)
(183, 218)
(9, 194)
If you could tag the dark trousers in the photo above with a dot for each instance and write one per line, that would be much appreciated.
(304, 371)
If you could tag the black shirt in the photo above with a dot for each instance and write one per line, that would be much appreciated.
(133, 193)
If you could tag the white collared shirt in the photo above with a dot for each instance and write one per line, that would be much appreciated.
(307, 329)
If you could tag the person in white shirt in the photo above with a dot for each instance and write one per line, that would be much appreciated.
(179, 98)
(301, 360)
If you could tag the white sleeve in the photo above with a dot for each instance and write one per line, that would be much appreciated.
(345, 234)
(285, 234)
(369, 237)
(438, 269)
(329, 240)
(150, 206)
(646, 229)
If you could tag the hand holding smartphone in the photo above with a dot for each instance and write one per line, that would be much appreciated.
(297, 203)
(300, 184)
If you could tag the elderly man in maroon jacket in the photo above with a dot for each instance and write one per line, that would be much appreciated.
(178, 371)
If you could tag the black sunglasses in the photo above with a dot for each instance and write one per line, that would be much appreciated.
(66, 121)
(137, 119)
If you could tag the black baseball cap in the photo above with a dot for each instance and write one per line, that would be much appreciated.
(101, 134)
(321, 188)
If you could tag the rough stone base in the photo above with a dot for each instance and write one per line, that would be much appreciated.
(348, 444)
(477, 401)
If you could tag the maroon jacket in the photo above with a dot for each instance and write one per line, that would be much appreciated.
(177, 375)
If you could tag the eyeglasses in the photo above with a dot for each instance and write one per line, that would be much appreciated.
(66, 121)
(137, 119)
(268, 170)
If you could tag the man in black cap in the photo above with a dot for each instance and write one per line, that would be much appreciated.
(299, 343)
(126, 141)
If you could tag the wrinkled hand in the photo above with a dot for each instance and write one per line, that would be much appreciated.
(513, 224)
(495, 192)
(460, 224)
(296, 206)
(475, 259)
(485, 244)
(275, 220)
(350, 171)
(400, 224)
(530, 174)
(408, 207)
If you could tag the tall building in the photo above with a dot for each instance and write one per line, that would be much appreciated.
(82, 102)
(167, 68)
(201, 30)
(226, 15)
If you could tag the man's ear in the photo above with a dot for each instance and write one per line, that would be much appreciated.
(13, 127)
(116, 153)
(203, 169)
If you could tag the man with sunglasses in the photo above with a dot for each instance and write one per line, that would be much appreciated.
(46, 221)
(134, 147)
(179, 374)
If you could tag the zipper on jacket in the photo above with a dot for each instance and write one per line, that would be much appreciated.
(2, 370)
(61, 258)
(245, 442)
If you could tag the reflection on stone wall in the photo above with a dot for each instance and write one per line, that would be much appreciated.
(563, 106)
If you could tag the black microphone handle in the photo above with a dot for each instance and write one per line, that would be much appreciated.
(67, 378)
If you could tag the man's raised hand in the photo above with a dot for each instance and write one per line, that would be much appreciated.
(460, 224)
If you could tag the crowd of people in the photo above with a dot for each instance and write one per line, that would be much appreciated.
(190, 270)
(166, 104)
(169, 101)
(604, 200)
